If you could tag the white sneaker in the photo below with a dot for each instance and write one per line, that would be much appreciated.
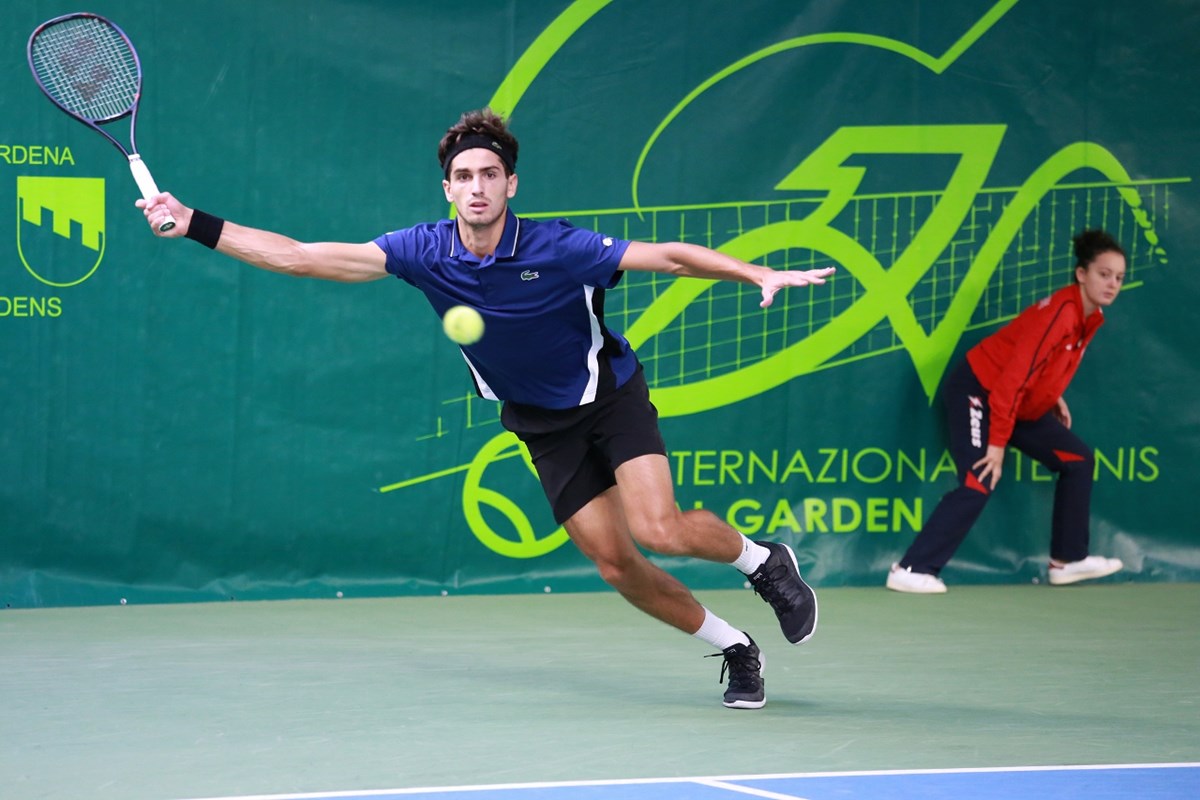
(1085, 570)
(905, 580)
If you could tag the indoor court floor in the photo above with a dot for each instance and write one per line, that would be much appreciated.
(1088, 692)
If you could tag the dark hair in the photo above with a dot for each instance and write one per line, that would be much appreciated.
(1092, 243)
(483, 122)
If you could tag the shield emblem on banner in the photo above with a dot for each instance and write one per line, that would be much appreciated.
(60, 228)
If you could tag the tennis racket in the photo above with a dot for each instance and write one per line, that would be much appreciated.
(88, 68)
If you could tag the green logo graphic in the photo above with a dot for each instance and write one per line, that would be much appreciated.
(916, 269)
(60, 228)
(476, 498)
(884, 291)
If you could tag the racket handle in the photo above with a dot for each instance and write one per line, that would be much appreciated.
(145, 182)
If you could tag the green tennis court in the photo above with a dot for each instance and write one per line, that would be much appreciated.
(219, 700)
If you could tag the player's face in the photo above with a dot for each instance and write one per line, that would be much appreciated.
(1101, 280)
(478, 187)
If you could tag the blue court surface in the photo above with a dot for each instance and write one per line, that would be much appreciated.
(1109, 782)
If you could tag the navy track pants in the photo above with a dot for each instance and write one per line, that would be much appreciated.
(1044, 439)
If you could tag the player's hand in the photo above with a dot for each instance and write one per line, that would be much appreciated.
(158, 207)
(1063, 413)
(774, 280)
(992, 463)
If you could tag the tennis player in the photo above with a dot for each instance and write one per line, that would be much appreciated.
(571, 386)
(1009, 392)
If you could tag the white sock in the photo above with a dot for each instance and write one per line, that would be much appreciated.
(719, 633)
(752, 557)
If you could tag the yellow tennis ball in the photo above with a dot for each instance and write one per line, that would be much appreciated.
(463, 325)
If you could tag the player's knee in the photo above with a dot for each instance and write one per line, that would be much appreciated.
(660, 535)
(618, 572)
(612, 573)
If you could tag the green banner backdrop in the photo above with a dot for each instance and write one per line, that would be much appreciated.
(178, 426)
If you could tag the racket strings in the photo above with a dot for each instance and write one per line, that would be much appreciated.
(88, 68)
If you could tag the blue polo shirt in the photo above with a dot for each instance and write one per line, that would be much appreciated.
(541, 296)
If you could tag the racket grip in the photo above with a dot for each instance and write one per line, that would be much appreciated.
(147, 186)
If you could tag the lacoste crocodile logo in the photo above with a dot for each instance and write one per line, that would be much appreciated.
(529, 275)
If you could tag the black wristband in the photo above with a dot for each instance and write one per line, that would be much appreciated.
(205, 228)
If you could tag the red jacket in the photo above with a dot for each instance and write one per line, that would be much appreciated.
(1027, 364)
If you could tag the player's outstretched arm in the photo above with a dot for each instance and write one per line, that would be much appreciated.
(694, 261)
(331, 261)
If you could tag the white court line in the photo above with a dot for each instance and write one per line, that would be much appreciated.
(709, 781)
(734, 787)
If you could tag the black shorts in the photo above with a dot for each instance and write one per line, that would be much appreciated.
(576, 451)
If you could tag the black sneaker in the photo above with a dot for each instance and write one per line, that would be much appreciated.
(745, 666)
(778, 582)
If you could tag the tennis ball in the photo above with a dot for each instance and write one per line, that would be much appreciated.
(463, 325)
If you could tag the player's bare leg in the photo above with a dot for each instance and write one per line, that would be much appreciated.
(601, 533)
(647, 497)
